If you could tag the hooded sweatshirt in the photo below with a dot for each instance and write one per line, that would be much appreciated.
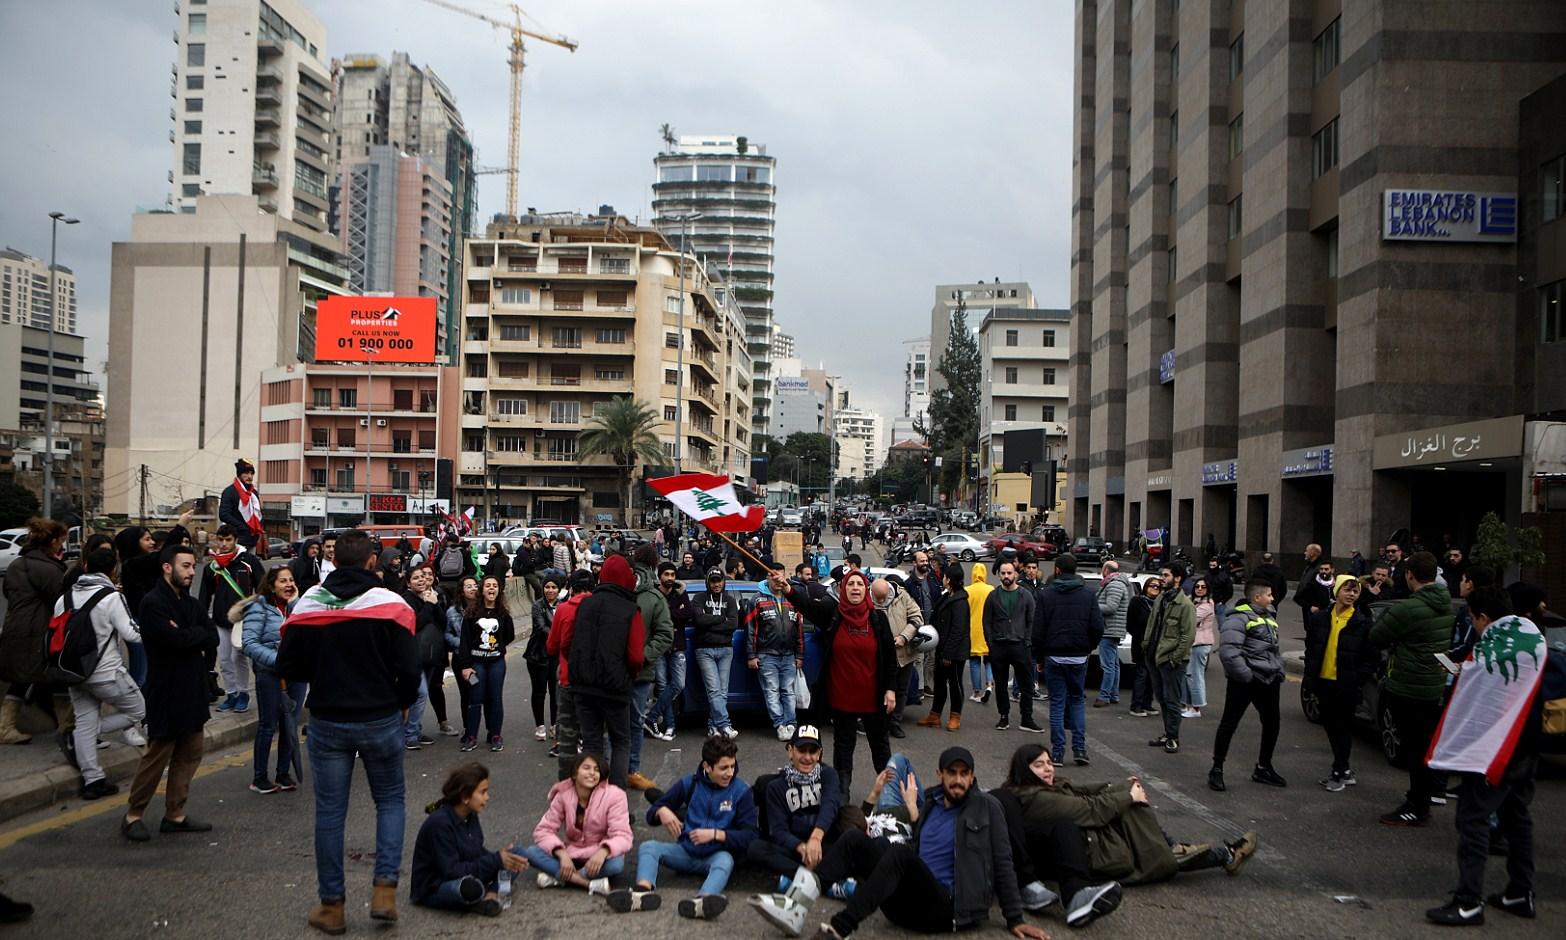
(709, 806)
(608, 639)
(111, 616)
(1069, 624)
(978, 592)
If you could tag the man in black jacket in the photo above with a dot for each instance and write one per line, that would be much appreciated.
(177, 635)
(1066, 630)
(240, 505)
(353, 641)
(307, 567)
(1008, 627)
(608, 643)
(1269, 571)
(715, 614)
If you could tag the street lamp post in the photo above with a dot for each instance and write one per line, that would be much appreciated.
(55, 218)
(369, 426)
(679, 388)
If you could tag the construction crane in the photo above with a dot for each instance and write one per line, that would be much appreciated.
(517, 60)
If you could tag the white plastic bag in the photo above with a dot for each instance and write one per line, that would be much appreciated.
(801, 690)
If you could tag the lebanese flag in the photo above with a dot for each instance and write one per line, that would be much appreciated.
(1496, 684)
(711, 500)
(321, 608)
(249, 505)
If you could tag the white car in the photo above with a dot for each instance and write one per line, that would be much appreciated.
(1138, 578)
(11, 542)
(793, 517)
(961, 545)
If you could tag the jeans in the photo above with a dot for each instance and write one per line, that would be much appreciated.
(714, 663)
(415, 723)
(272, 703)
(670, 674)
(641, 697)
(547, 863)
(87, 700)
(777, 687)
(1237, 697)
(599, 718)
(1008, 657)
(1196, 675)
(486, 698)
(333, 748)
(717, 867)
(981, 673)
(892, 794)
(453, 895)
(1109, 662)
(1066, 700)
(1169, 685)
(1508, 800)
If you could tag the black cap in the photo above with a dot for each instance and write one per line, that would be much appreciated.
(715, 573)
(243, 466)
(952, 755)
(806, 734)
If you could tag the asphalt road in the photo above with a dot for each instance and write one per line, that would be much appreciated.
(1326, 868)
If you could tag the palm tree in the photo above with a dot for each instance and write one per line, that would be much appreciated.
(622, 429)
(667, 133)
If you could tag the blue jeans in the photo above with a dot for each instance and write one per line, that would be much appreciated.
(641, 695)
(271, 700)
(1109, 661)
(717, 866)
(415, 722)
(777, 687)
(544, 862)
(714, 663)
(980, 674)
(1196, 675)
(892, 794)
(670, 673)
(485, 698)
(333, 747)
(1065, 682)
(449, 895)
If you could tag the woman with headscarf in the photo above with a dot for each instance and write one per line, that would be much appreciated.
(1338, 659)
(859, 661)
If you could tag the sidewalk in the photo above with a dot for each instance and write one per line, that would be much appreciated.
(34, 776)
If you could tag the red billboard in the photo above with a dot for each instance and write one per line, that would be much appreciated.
(375, 329)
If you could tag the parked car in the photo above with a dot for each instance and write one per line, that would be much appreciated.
(575, 532)
(961, 545)
(1019, 543)
(11, 543)
(992, 523)
(279, 548)
(1091, 548)
(793, 517)
(744, 685)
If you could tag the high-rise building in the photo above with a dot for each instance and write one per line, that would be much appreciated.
(24, 292)
(782, 344)
(409, 109)
(1024, 381)
(565, 313)
(859, 445)
(731, 183)
(1298, 313)
(977, 300)
(26, 371)
(916, 377)
(396, 226)
(252, 108)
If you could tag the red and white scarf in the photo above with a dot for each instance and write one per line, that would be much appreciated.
(320, 608)
(249, 505)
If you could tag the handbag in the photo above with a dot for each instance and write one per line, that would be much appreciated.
(801, 690)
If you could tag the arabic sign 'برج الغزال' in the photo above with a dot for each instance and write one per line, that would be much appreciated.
(1475, 440)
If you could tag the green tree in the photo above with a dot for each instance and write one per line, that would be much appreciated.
(953, 428)
(1499, 547)
(622, 429)
(17, 505)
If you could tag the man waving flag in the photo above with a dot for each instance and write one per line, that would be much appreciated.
(711, 500)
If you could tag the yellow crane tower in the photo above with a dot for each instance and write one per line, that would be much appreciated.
(518, 54)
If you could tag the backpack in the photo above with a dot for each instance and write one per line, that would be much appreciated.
(73, 652)
(451, 563)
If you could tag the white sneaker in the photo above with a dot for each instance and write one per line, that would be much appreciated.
(546, 880)
(541, 733)
(598, 886)
(781, 912)
(135, 738)
(730, 733)
(1190, 713)
(783, 733)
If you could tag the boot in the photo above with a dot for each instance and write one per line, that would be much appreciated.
(64, 714)
(8, 730)
(328, 917)
(932, 720)
(954, 722)
(787, 911)
(383, 902)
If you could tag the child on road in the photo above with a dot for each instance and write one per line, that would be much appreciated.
(451, 868)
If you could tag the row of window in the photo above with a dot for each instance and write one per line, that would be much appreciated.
(1013, 338)
(1010, 412)
(715, 173)
(1011, 375)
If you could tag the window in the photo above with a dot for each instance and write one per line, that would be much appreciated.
(400, 479)
(1011, 412)
(321, 398)
(402, 442)
(1174, 196)
(1550, 318)
(671, 340)
(565, 412)
(1049, 338)
(1236, 216)
(1174, 62)
(753, 174)
(1325, 48)
(565, 375)
(1011, 375)
(562, 448)
(671, 377)
(345, 479)
(1049, 376)
(1011, 337)
(195, 82)
(1332, 253)
(1048, 413)
(192, 127)
(190, 189)
(1174, 130)
(511, 406)
(606, 374)
(708, 173)
(193, 104)
(611, 337)
(1173, 257)
(677, 174)
(195, 55)
(198, 23)
(568, 337)
(318, 478)
(1236, 135)
(568, 299)
(345, 437)
(671, 304)
(347, 398)
(669, 412)
(1553, 176)
(320, 437)
(612, 298)
(614, 266)
(516, 295)
(1237, 57)
(473, 442)
(1324, 149)
(513, 332)
(606, 499)
(510, 443)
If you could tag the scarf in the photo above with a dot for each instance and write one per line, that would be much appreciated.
(797, 779)
(224, 559)
(1326, 583)
(249, 505)
(855, 617)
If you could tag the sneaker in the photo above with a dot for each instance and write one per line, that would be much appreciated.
(779, 910)
(554, 750)
(1333, 784)
(1215, 780)
(667, 735)
(1081, 760)
(546, 880)
(1159, 741)
(842, 890)
(1519, 904)
(446, 729)
(1268, 776)
(1092, 902)
(1016, 695)
(227, 705)
(411, 745)
(425, 740)
(859, 726)
(626, 900)
(1348, 778)
(242, 703)
(1240, 850)
(497, 743)
(1172, 746)
(1190, 713)
(783, 733)
(1031, 727)
(1036, 897)
(1404, 817)
(599, 886)
(541, 733)
(469, 744)
(703, 907)
(134, 737)
(730, 733)
(1003, 724)
(985, 698)
(264, 787)
(287, 784)
(976, 697)
(98, 789)
(1458, 912)
(1438, 799)
(1138, 712)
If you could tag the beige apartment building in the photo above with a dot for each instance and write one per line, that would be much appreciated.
(565, 312)
(1025, 356)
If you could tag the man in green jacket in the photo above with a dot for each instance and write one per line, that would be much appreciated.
(1167, 645)
(660, 639)
(1415, 629)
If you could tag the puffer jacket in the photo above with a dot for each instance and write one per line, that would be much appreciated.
(33, 582)
(1248, 645)
(1416, 628)
(1068, 621)
(905, 617)
(951, 624)
(1114, 602)
(263, 632)
(606, 822)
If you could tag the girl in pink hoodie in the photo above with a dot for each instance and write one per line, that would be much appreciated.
(597, 831)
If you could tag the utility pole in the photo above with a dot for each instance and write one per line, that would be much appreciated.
(55, 218)
(143, 494)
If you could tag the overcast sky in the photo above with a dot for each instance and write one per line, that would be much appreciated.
(917, 142)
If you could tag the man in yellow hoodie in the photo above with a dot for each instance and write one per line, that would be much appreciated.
(979, 673)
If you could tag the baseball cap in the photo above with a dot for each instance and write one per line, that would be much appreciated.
(952, 755)
(715, 573)
(805, 734)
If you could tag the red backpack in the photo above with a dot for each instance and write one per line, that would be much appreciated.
(72, 651)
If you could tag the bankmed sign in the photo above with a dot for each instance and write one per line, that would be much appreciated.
(1435, 215)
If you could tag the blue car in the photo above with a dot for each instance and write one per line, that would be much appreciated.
(744, 685)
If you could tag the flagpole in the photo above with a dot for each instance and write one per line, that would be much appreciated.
(739, 548)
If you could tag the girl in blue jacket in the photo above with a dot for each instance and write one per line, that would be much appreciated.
(451, 868)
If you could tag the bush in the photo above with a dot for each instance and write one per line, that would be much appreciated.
(17, 505)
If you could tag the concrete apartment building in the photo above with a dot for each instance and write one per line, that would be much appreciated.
(916, 390)
(26, 371)
(566, 312)
(252, 107)
(978, 301)
(409, 109)
(1290, 223)
(1025, 381)
(797, 408)
(341, 444)
(860, 448)
(199, 305)
(396, 219)
(732, 183)
(24, 292)
(782, 344)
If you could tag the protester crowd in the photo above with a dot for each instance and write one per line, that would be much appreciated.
(349, 645)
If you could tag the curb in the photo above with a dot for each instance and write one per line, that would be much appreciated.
(61, 782)
(1294, 663)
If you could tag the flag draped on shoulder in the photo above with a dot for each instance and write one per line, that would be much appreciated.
(321, 608)
(1495, 686)
(711, 500)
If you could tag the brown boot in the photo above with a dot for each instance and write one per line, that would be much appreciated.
(932, 720)
(954, 722)
(328, 917)
(383, 902)
(9, 734)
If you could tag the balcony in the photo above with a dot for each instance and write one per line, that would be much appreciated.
(268, 140)
(268, 75)
(317, 96)
(263, 176)
(382, 409)
(389, 449)
(267, 96)
(267, 117)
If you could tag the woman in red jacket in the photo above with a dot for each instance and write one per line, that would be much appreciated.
(861, 671)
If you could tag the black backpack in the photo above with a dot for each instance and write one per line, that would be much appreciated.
(73, 650)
